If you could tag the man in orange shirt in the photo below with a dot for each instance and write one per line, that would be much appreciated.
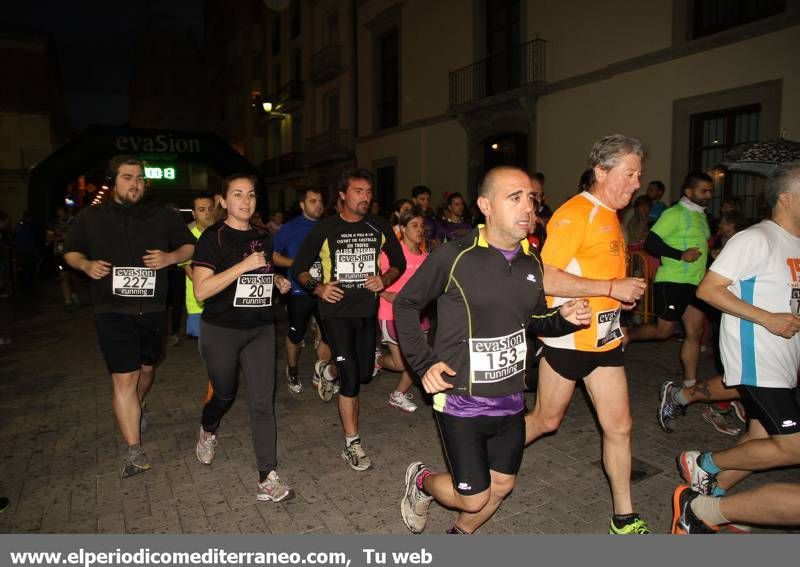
(584, 256)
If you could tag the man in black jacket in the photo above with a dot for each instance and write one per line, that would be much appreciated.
(488, 289)
(123, 246)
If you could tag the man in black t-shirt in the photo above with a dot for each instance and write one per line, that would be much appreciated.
(123, 246)
(348, 246)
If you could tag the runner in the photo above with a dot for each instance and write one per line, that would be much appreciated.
(585, 239)
(488, 289)
(755, 282)
(349, 245)
(680, 238)
(300, 305)
(234, 278)
(203, 215)
(124, 245)
(411, 225)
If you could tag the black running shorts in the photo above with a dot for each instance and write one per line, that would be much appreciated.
(475, 445)
(300, 308)
(776, 409)
(670, 300)
(352, 341)
(130, 341)
(578, 364)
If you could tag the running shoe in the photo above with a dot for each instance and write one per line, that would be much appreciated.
(637, 526)
(206, 447)
(699, 480)
(295, 387)
(684, 520)
(667, 408)
(135, 462)
(377, 368)
(174, 340)
(415, 504)
(739, 411)
(402, 402)
(274, 489)
(325, 387)
(356, 457)
(721, 420)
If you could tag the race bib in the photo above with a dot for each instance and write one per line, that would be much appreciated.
(253, 290)
(134, 282)
(497, 359)
(608, 328)
(315, 271)
(355, 266)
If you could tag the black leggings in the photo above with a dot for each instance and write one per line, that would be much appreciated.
(223, 351)
(352, 342)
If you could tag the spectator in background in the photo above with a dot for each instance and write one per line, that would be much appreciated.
(26, 250)
(730, 205)
(453, 224)
(655, 190)
(541, 210)
(637, 226)
(400, 206)
(421, 196)
(275, 222)
(375, 208)
(57, 234)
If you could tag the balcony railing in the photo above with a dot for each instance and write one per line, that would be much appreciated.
(499, 73)
(329, 146)
(288, 97)
(326, 64)
(287, 163)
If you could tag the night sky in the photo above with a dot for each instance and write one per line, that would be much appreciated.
(94, 40)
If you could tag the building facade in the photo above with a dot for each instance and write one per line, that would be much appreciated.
(32, 112)
(436, 93)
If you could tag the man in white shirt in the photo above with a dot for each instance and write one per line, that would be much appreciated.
(755, 281)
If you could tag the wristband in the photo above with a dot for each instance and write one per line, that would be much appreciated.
(310, 285)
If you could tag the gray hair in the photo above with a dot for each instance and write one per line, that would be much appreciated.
(781, 181)
(608, 151)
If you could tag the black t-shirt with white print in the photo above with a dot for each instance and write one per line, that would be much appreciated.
(349, 253)
(247, 302)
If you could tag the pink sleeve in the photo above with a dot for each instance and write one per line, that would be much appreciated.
(384, 262)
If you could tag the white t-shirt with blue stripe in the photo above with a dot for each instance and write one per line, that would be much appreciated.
(763, 264)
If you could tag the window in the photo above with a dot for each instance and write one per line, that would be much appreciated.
(276, 34)
(713, 16)
(389, 79)
(295, 19)
(330, 34)
(713, 134)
